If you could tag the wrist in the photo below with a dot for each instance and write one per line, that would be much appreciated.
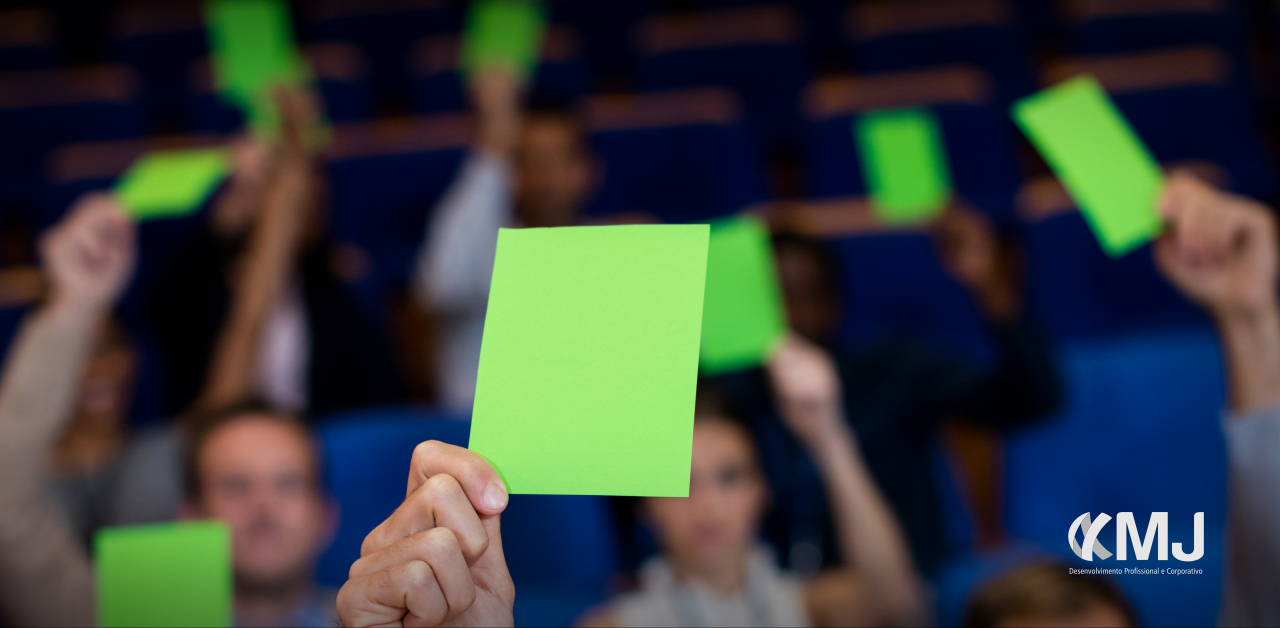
(836, 442)
(74, 312)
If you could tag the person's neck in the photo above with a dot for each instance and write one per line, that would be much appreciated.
(270, 606)
(726, 578)
(86, 450)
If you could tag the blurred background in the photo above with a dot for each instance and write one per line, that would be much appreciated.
(705, 109)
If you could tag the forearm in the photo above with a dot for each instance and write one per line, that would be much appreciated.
(871, 542)
(1251, 348)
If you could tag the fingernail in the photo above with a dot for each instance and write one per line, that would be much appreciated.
(495, 497)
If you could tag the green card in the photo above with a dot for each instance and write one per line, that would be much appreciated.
(170, 183)
(1098, 158)
(504, 32)
(253, 49)
(904, 163)
(164, 574)
(742, 313)
(589, 364)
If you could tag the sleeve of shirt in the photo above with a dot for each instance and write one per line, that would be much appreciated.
(1253, 525)
(455, 265)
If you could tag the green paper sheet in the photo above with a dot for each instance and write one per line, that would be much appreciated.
(588, 368)
(503, 32)
(1098, 158)
(742, 313)
(253, 49)
(164, 574)
(164, 184)
(904, 163)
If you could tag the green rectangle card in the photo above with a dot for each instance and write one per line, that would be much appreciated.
(164, 574)
(504, 32)
(1099, 159)
(253, 48)
(164, 184)
(904, 163)
(742, 313)
(588, 368)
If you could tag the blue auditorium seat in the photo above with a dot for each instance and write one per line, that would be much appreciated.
(159, 39)
(560, 549)
(27, 39)
(1138, 432)
(41, 109)
(384, 30)
(438, 85)
(341, 78)
(680, 155)
(889, 35)
(757, 51)
(1116, 26)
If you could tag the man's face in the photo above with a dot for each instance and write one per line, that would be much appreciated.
(716, 525)
(256, 474)
(553, 172)
(811, 308)
(107, 383)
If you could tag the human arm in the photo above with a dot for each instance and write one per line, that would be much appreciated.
(438, 558)
(45, 576)
(453, 269)
(1219, 250)
(878, 584)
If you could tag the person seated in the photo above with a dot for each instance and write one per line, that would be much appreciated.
(320, 352)
(898, 391)
(1220, 251)
(529, 168)
(254, 468)
(1047, 595)
(712, 570)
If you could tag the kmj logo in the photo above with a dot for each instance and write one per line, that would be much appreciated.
(1157, 533)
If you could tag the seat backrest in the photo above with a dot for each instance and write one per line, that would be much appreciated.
(548, 540)
(1138, 432)
(159, 39)
(1113, 26)
(27, 39)
(680, 155)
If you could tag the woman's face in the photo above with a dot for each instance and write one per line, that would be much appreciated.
(716, 525)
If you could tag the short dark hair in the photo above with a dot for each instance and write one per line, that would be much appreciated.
(1044, 589)
(201, 426)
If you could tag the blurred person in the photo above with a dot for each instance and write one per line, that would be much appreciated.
(1047, 595)
(319, 352)
(529, 168)
(259, 471)
(1220, 251)
(898, 391)
(712, 570)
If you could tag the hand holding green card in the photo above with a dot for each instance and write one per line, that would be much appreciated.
(588, 367)
(742, 313)
(165, 574)
(166, 184)
(506, 33)
(1098, 158)
(904, 163)
(253, 49)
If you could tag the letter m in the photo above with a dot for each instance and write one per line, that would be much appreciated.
(1158, 527)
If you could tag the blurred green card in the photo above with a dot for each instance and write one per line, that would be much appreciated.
(589, 364)
(506, 33)
(904, 163)
(164, 574)
(164, 184)
(742, 313)
(253, 49)
(1098, 158)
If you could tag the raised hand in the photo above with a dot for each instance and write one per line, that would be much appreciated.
(89, 255)
(496, 96)
(807, 391)
(971, 253)
(438, 558)
(1219, 249)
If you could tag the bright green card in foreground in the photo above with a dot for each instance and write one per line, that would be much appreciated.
(165, 184)
(904, 163)
(253, 49)
(165, 574)
(742, 314)
(504, 32)
(588, 368)
(1098, 158)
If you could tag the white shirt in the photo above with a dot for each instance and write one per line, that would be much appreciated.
(285, 353)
